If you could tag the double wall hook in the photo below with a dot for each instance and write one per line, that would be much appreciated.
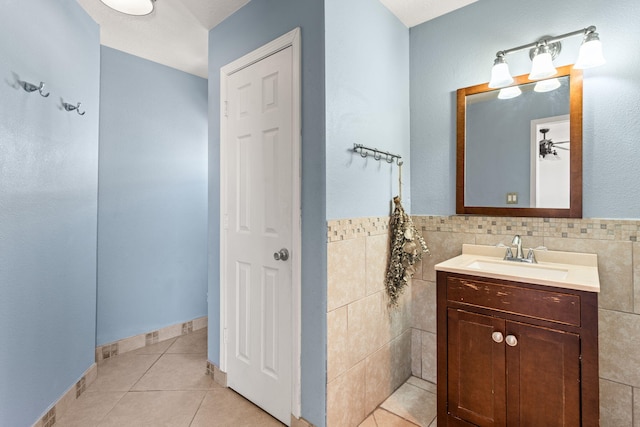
(29, 87)
(70, 107)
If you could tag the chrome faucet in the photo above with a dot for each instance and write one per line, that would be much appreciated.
(517, 240)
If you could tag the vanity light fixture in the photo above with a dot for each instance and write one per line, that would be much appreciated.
(131, 7)
(590, 54)
(500, 75)
(542, 54)
(542, 62)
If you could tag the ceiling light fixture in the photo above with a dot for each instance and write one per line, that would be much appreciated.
(131, 7)
(542, 54)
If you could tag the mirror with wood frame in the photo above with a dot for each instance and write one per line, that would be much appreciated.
(519, 149)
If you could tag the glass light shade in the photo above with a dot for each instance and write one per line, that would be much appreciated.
(542, 66)
(509, 92)
(500, 75)
(590, 54)
(547, 85)
(131, 7)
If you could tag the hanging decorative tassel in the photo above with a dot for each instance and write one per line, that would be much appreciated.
(407, 247)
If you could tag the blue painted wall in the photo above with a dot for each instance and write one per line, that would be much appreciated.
(48, 204)
(457, 50)
(367, 102)
(152, 218)
(254, 25)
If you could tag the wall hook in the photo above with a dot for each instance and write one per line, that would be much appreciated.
(70, 107)
(377, 154)
(29, 87)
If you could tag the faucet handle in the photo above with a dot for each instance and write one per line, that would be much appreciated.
(531, 256)
(508, 254)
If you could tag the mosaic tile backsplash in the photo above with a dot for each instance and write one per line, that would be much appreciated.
(602, 229)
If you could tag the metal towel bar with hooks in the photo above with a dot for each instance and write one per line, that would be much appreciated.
(377, 154)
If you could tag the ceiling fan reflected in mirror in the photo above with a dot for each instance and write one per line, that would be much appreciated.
(548, 147)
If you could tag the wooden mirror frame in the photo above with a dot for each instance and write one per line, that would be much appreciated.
(575, 167)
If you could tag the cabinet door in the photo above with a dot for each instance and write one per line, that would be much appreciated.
(543, 376)
(476, 374)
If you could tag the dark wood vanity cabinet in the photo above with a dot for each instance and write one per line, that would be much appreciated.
(515, 354)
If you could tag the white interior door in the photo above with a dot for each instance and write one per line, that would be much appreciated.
(258, 233)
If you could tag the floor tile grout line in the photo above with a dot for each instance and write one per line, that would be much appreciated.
(397, 415)
(198, 409)
(104, 417)
(145, 372)
(154, 363)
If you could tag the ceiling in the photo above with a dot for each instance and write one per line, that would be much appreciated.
(176, 33)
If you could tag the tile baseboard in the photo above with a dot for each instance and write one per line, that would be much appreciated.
(135, 342)
(61, 406)
(218, 376)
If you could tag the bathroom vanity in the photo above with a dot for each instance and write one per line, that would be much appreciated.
(517, 342)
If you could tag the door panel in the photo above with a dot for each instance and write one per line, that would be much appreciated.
(543, 377)
(243, 311)
(243, 181)
(270, 336)
(476, 381)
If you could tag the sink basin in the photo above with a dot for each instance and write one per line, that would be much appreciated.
(569, 270)
(512, 268)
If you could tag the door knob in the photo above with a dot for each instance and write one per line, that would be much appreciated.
(497, 337)
(511, 340)
(281, 255)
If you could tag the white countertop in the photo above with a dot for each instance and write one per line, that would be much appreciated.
(570, 270)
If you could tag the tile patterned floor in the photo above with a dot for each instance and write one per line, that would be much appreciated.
(165, 384)
(413, 404)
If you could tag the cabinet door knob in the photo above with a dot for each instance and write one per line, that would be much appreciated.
(497, 337)
(511, 340)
